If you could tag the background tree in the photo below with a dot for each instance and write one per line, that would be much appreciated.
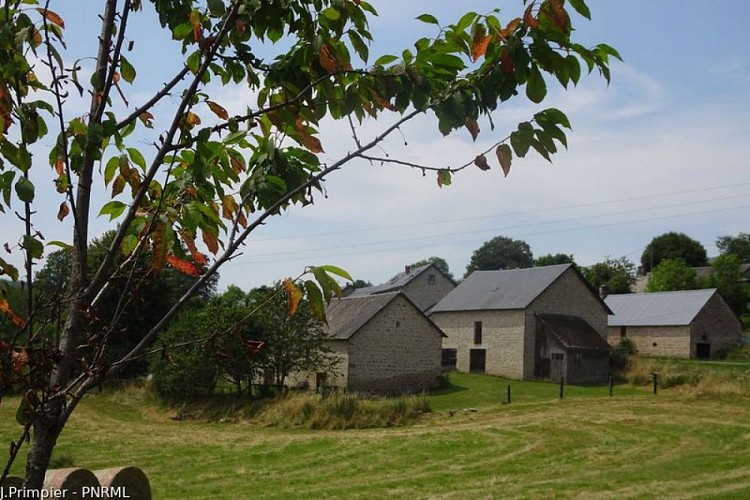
(207, 176)
(727, 277)
(737, 245)
(616, 275)
(438, 262)
(361, 283)
(500, 253)
(673, 246)
(553, 260)
(672, 274)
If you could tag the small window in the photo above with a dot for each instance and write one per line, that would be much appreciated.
(430, 279)
(477, 333)
(623, 332)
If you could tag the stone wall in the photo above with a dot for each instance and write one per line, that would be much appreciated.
(672, 341)
(398, 350)
(425, 292)
(716, 325)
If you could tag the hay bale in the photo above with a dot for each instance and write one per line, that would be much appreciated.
(73, 480)
(131, 480)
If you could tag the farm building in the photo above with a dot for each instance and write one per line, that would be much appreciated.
(685, 324)
(538, 323)
(424, 285)
(383, 343)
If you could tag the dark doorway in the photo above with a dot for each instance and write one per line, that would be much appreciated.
(477, 359)
(702, 350)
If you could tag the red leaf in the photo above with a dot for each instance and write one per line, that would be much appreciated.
(20, 359)
(184, 266)
(218, 110)
(15, 318)
(504, 156)
(444, 178)
(508, 30)
(481, 162)
(147, 119)
(480, 46)
(190, 243)
(211, 241)
(506, 63)
(327, 59)
(51, 17)
(529, 18)
(192, 119)
(381, 102)
(312, 143)
(473, 127)
(195, 22)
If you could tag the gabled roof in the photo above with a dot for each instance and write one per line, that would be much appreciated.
(704, 272)
(398, 282)
(574, 332)
(347, 315)
(659, 308)
(509, 289)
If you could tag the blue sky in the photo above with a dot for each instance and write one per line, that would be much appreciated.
(663, 148)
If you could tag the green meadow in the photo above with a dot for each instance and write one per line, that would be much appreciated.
(472, 444)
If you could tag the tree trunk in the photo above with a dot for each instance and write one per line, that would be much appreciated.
(47, 429)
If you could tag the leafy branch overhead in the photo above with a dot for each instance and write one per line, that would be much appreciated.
(187, 178)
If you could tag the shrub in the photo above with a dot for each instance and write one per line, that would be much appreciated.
(619, 357)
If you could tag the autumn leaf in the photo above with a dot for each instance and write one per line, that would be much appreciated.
(147, 119)
(293, 296)
(504, 156)
(506, 62)
(52, 17)
(380, 101)
(310, 142)
(481, 162)
(218, 110)
(240, 25)
(158, 248)
(195, 22)
(228, 206)
(473, 127)
(190, 244)
(211, 241)
(20, 360)
(529, 18)
(508, 30)
(184, 266)
(192, 119)
(327, 59)
(63, 211)
(59, 166)
(241, 219)
(555, 11)
(15, 318)
(480, 46)
(118, 185)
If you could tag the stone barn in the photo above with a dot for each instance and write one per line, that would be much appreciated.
(684, 324)
(535, 323)
(424, 285)
(384, 344)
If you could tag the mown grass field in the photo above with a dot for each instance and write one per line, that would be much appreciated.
(589, 445)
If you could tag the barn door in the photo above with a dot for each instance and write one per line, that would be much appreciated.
(556, 365)
(477, 358)
(702, 350)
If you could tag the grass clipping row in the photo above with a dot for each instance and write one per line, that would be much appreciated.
(691, 378)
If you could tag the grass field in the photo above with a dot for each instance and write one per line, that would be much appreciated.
(632, 445)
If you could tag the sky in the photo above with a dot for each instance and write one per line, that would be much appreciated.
(663, 147)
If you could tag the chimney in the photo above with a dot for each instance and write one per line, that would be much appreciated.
(407, 269)
(603, 292)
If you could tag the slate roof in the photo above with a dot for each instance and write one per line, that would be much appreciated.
(706, 271)
(346, 316)
(508, 289)
(574, 332)
(398, 282)
(658, 309)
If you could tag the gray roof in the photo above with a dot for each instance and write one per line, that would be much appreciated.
(659, 308)
(347, 315)
(398, 282)
(704, 272)
(509, 289)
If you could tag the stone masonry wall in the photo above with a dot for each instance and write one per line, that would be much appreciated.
(717, 325)
(502, 339)
(425, 295)
(399, 350)
(672, 341)
(570, 296)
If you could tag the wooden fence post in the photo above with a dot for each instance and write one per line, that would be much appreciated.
(656, 382)
(562, 386)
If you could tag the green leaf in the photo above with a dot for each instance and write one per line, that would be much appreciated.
(127, 71)
(466, 20)
(25, 190)
(429, 19)
(8, 269)
(536, 89)
(137, 158)
(194, 62)
(337, 271)
(331, 13)
(327, 284)
(385, 59)
(110, 169)
(574, 68)
(581, 7)
(315, 299)
(359, 45)
(61, 244)
(521, 139)
(113, 208)
(33, 246)
(128, 244)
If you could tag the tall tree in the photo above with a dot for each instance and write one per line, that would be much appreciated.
(673, 246)
(500, 253)
(552, 260)
(438, 262)
(727, 277)
(671, 275)
(208, 178)
(737, 245)
(615, 275)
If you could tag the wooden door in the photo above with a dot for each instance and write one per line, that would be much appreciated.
(556, 365)
(477, 358)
